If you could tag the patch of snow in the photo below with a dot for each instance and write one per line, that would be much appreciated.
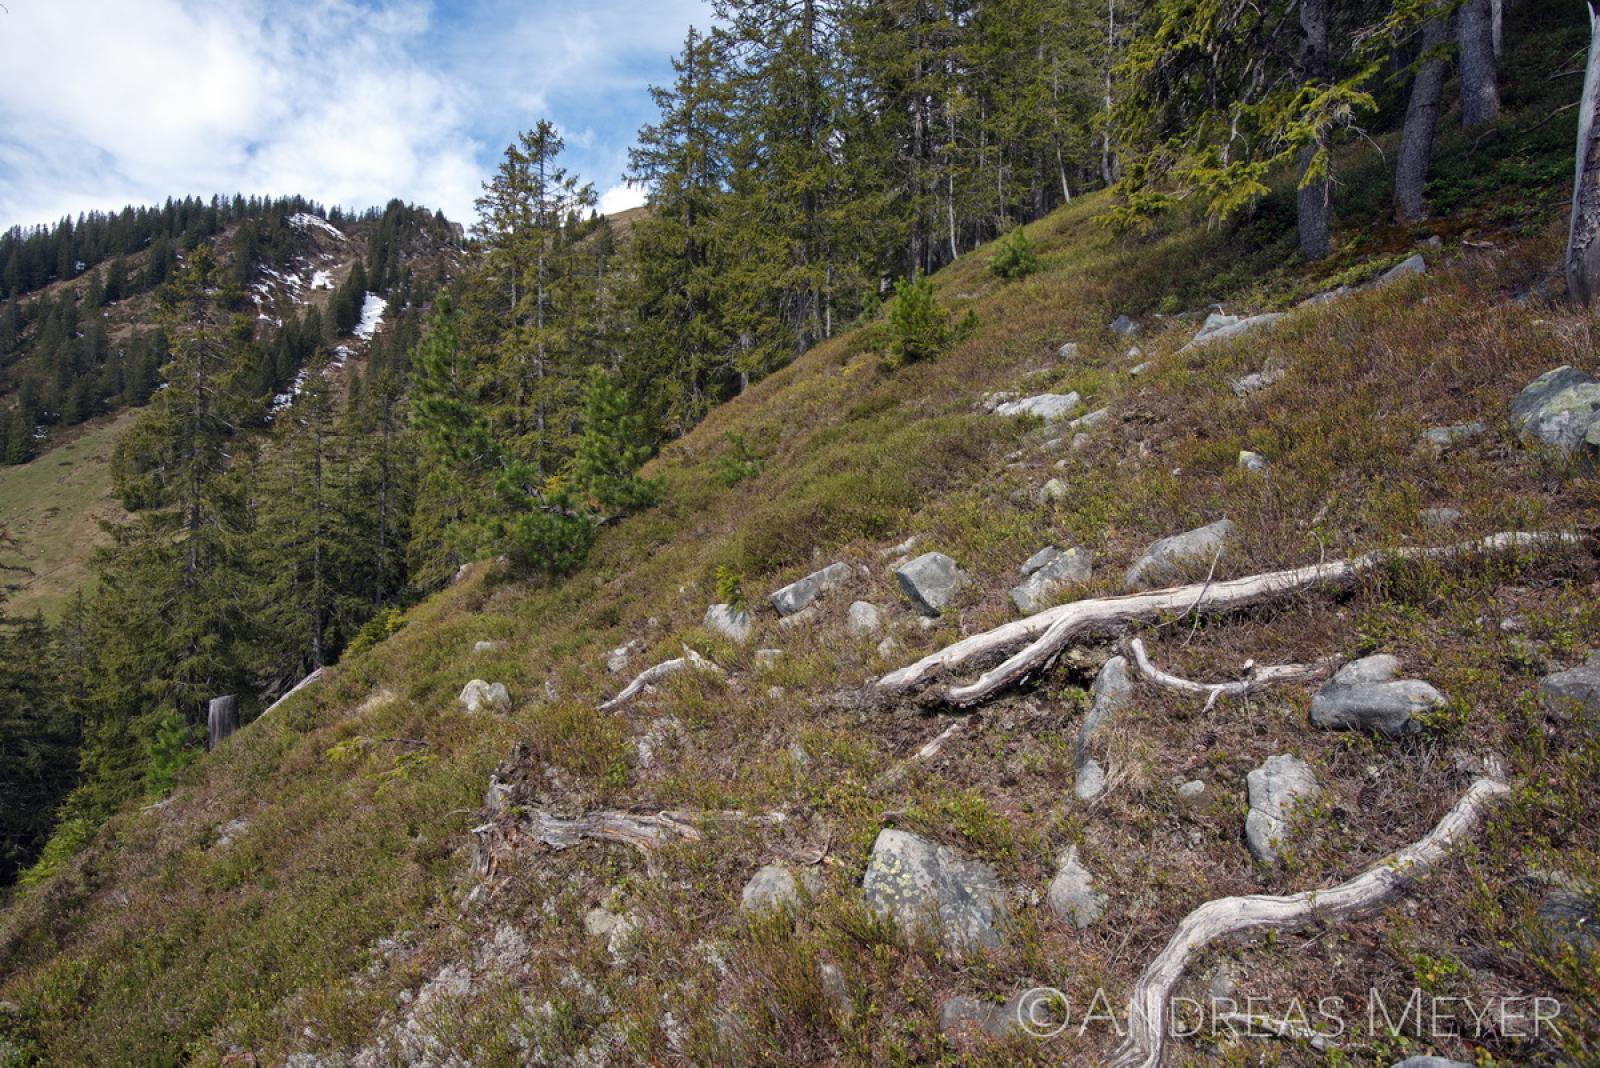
(311, 222)
(372, 310)
(322, 280)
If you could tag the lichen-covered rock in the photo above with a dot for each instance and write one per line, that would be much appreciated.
(1047, 406)
(930, 581)
(1164, 560)
(1219, 327)
(1413, 264)
(772, 886)
(963, 1019)
(795, 596)
(1558, 409)
(1365, 695)
(1124, 326)
(1068, 351)
(729, 621)
(617, 659)
(1052, 491)
(1575, 691)
(1438, 439)
(1035, 592)
(1439, 517)
(1253, 462)
(479, 696)
(1280, 784)
(1111, 693)
(864, 617)
(480, 648)
(1038, 560)
(1569, 918)
(1430, 1062)
(1072, 895)
(928, 887)
(1255, 382)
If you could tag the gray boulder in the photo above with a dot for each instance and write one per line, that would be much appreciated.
(1124, 326)
(926, 887)
(1365, 695)
(1559, 408)
(1438, 439)
(1568, 917)
(1431, 1062)
(772, 886)
(1038, 560)
(617, 659)
(1255, 382)
(930, 580)
(1276, 787)
(1069, 351)
(1111, 693)
(482, 647)
(1163, 560)
(1574, 691)
(1035, 592)
(1138, 369)
(795, 596)
(964, 1018)
(864, 618)
(1090, 420)
(1439, 517)
(1253, 462)
(729, 622)
(1219, 327)
(1052, 491)
(1411, 265)
(1072, 895)
(1047, 406)
(479, 696)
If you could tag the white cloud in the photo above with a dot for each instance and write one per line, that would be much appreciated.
(620, 197)
(352, 102)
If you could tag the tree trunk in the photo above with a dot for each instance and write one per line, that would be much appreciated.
(1422, 118)
(222, 719)
(1480, 91)
(1583, 239)
(1313, 201)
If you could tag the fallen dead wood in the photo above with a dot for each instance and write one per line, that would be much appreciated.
(1380, 884)
(645, 831)
(1256, 677)
(927, 752)
(652, 675)
(1044, 635)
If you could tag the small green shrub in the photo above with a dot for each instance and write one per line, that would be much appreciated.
(919, 327)
(170, 750)
(1016, 257)
(738, 463)
(730, 588)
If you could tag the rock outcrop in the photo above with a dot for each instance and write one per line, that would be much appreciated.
(926, 887)
(1072, 895)
(1573, 693)
(1036, 592)
(1561, 409)
(730, 622)
(1164, 560)
(1111, 693)
(1280, 784)
(1367, 695)
(798, 594)
(1047, 406)
(479, 696)
(930, 581)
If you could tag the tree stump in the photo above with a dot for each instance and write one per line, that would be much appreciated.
(222, 719)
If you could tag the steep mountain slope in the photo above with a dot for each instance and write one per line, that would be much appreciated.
(52, 505)
(333, 885)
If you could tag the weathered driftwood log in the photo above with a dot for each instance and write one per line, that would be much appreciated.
(222, 719)
(1045, 634)
(646, 831)
(1256, 677)
(1380, 884)
(652, 675)
(296, 688)
(1583, 233)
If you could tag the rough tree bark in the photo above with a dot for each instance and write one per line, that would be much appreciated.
(1480, 87)
(222, 719)
(1422, 118)
(1583, 238)
(1313, 201)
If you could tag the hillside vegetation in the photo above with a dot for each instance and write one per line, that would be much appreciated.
(309, 887)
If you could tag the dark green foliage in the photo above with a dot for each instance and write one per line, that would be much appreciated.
(918, 326)
(1015, 257)
(611, 450)
(738, 463)
(540, 524)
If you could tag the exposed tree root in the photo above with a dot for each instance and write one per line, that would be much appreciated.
(1045, 635)
(645, 832)
(650, 676)
(1380, 884)
(927, 752)
(1256, 677)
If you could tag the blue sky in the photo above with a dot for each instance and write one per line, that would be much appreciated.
(110, 102)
